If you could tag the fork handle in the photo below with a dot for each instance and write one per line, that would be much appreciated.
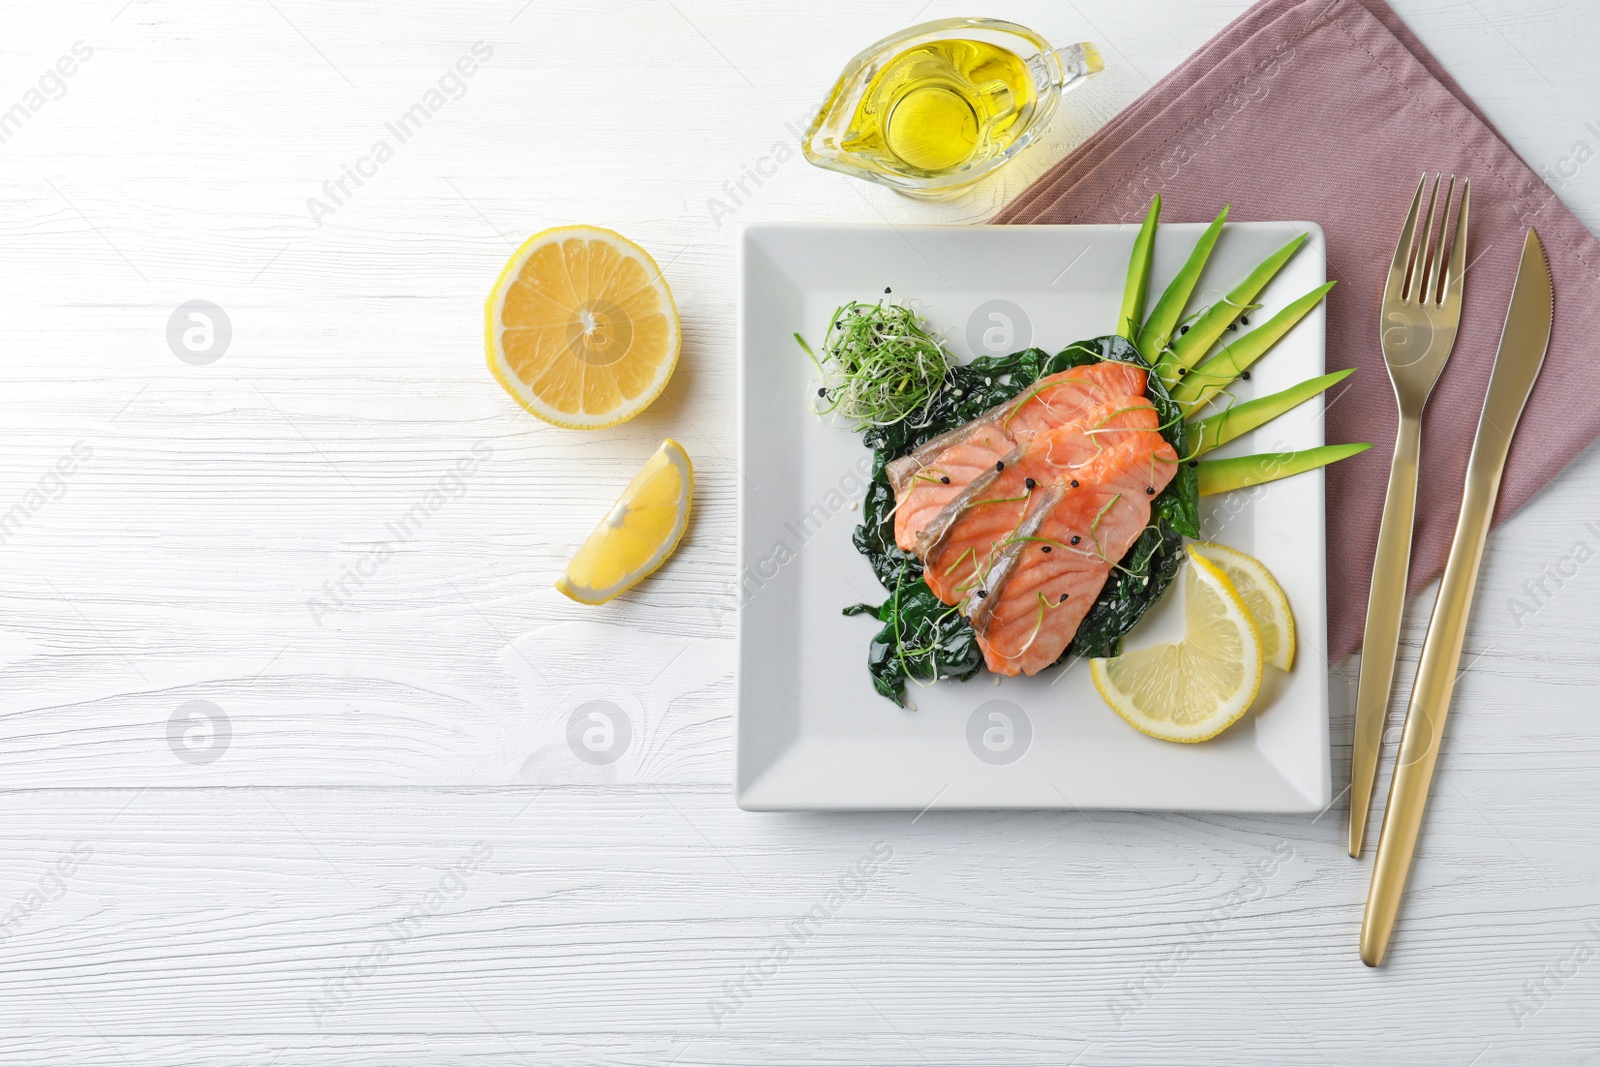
(1381, 639)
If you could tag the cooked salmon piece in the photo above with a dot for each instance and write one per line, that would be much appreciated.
(959, 547)
(1046, 594)
(1020, 515)
(926, 480)
(934, 486)
(1008, 555)
(1062, 398)
(969, 538)
(1054, 580)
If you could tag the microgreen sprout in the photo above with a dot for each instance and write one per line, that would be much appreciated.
(1000, 500)
(880, 365)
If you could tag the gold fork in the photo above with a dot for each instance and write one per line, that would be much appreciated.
(1421, 312)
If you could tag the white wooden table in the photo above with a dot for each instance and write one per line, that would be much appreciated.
(368, 841)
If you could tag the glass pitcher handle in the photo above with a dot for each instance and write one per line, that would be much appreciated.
(1065, 68)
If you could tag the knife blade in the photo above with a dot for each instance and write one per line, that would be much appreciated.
(1523, 343)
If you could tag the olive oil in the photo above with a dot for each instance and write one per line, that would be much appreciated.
(935, 107)
(942, 105)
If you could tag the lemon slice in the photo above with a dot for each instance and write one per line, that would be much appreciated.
(1263, 598)
(1193, 689)
(581, 328)
(638, 534)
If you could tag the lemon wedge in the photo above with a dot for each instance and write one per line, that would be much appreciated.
(641, 530)
(581, 328)
(1193, 689)
(1263, 598)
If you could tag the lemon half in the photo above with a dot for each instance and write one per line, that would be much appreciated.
(640, 531)
(581, 328)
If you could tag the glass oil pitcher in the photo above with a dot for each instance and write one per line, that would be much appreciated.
(932, 109)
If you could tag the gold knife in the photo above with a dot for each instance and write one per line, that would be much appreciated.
(1516, 366)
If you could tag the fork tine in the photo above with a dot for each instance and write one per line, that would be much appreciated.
(1399, 269)
(1458, 251)
(1414, 290)
(1430, 285)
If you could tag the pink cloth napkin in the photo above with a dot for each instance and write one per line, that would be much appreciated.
(1329, 112)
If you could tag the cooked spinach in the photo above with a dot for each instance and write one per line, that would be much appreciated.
(924, 640)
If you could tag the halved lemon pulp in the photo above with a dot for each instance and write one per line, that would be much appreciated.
(1193, 689)
(640, 531)
(581, 328)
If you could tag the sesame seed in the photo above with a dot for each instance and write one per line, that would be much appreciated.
(1149, 490)
(982, 593)
(1046, 548)
(945, 479)
(1245, 376)
(1029, 482)
(1076, 539)
(1194, 463)
(1074, 483)
(1000, 465)
(822, 392)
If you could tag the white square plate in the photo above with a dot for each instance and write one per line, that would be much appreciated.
(811, 732)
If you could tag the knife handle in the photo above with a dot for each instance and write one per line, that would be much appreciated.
(1430, 703)
(1385, 605)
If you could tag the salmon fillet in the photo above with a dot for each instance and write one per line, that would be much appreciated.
(928, 479)
(1046, 594)
(1045, 495)
(965, 542)
(956, 468)
(1061, 398)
